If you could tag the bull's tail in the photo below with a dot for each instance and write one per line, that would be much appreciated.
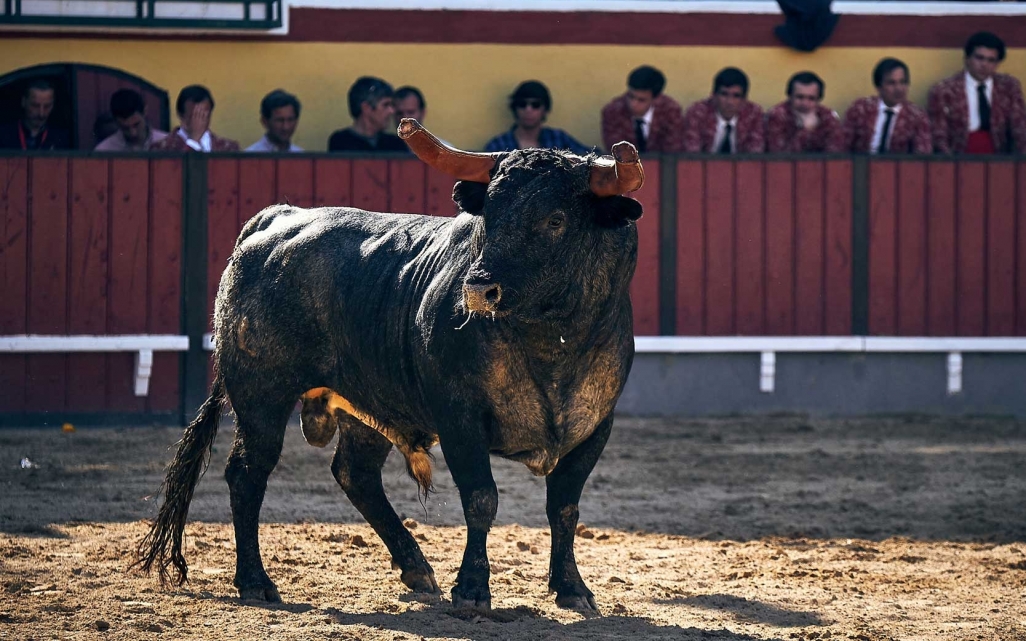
(162, 546)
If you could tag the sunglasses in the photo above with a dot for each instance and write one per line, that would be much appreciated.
(524, 104)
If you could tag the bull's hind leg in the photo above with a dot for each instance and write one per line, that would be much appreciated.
(259, 434)
(360, 454)
(563, 493)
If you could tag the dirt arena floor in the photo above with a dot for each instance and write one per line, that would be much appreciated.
(731, 529)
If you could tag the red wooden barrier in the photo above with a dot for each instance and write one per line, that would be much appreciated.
(90, 246)
(764, 247)
(945, 248)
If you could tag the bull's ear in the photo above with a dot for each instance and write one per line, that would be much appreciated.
(469, 196)
(614, 211)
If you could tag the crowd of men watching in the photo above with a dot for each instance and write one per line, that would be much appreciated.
(976, 110)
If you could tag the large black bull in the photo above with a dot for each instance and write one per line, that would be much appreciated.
(506, 330)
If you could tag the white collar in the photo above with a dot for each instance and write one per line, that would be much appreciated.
(896, 108)
(972, 83)
(202, 145)
(720, 120)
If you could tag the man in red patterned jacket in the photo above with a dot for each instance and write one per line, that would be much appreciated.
(194, 107)
(801, 123)
(887, 122)
(977, 110)
(644, 116)
(726, 122)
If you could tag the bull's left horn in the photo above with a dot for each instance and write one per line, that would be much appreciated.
(464, 165)
(620, 174)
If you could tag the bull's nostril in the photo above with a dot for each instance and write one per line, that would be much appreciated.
(493, 294)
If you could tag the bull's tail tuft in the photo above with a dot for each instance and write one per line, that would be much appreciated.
(418, 466)
(162, 546)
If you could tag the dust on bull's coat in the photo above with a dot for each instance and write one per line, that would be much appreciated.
(506, 330)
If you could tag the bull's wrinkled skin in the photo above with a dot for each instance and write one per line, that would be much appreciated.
(506, 330)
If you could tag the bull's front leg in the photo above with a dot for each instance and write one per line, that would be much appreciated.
(563, 493)
(466, 454)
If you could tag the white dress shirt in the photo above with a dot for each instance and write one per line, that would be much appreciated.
(721, 131)
(266, 146)
(881, 116)
(202, 145)
(973, 99)
(646, 122)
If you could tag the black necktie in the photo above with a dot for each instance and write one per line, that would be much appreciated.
(981, 92)
(639, 133)
(725, 145)
(882, 149)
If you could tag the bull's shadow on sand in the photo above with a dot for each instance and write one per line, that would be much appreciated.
(737, 478)
(526, 623)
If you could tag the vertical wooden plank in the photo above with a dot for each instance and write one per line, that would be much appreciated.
(13, 276)
(255, 190)
(645, 285)
(911, 244)
(87, 391)
(719, 234)
(837, 241)
(809, 252)
(750, 243)
(690, 247)
(165, 269)
(370, 185)
(940, 255)
(883, 204)
(295, 181)
(222, 219)
(48, 280)
(779, 248)
(1020, 252)
(1000, 246)
(129, 260)
(332, 182)
(438, 199)
(406, 181)
(971, 258)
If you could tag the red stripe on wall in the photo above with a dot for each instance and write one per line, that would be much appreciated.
(590, 28)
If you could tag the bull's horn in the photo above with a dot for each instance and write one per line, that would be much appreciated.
(617, 175)
(464, 165)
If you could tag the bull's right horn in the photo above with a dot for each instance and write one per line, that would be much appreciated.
(618, 175)
(463, 165)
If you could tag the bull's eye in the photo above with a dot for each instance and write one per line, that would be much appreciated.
(556, 221)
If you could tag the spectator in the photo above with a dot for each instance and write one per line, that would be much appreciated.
(279, 114)
(644, 116)
(104, 127)
(726, 122)
(887, 122)
(801, 123)
(370, 104)
(33, 132)
(194, 107)
(409, 103)
(977, 110)
(133, 130)
(530, 105)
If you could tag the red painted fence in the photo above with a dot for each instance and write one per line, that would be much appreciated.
(93, 245)
(89, 246)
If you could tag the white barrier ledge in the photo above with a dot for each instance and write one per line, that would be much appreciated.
(769, 345)
(142, 344)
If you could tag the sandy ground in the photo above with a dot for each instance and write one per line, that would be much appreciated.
(733, 529)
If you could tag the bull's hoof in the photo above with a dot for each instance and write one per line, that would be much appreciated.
(469, 597)
(260, 593)
(574, 596)
(421, 581)
(577, 602)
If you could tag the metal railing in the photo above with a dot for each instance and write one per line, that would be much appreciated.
(182, 14)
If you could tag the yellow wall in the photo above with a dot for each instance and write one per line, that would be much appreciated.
(466, 85)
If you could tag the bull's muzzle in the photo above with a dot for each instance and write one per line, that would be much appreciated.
(482, 298)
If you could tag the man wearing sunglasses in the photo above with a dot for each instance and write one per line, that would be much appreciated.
(977, 110)
(530, 104)
(726, 122)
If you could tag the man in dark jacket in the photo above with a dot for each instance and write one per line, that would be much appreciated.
(32, 133)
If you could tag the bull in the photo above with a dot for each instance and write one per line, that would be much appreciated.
(506, 330)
